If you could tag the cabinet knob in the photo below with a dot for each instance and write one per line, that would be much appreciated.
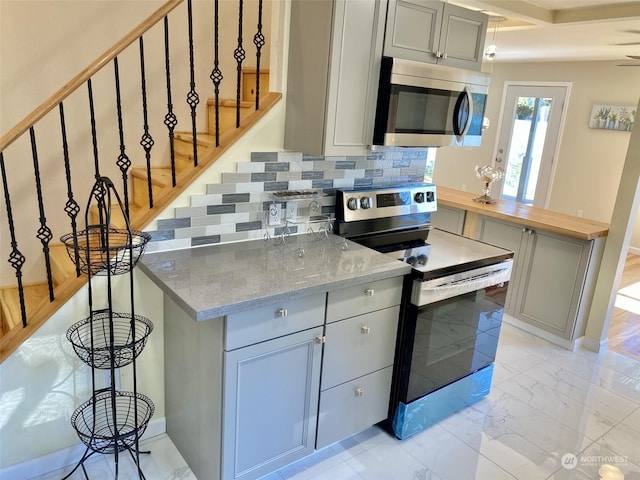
(359, 392)
(369, 292)
(365, 330)
(321, 339)
(281, 312)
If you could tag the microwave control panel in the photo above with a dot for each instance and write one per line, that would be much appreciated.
(363, 204)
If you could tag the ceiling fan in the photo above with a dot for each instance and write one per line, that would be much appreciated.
(633, 57)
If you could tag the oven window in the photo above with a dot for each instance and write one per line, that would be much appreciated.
(453, 338)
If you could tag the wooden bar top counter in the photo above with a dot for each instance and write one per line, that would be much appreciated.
(526, 215)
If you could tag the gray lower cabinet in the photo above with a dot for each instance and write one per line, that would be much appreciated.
(449, 219)
(435, 32)
(270, 404)
(243, 395)
(551, 286)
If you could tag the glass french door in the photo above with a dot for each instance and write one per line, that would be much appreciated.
(528, 141)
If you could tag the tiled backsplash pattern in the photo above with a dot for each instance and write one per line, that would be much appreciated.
(235, 209)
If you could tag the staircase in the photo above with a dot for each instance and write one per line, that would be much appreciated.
(25, 307)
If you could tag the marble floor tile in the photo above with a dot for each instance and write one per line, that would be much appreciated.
(623, 440)
(386, 461)
(594, 460)
(562, 408)
(610, 403)
(538, 428)
(507, 449)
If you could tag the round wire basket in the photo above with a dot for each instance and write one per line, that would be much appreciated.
(96, 427)
(99, 250)
(103, 353)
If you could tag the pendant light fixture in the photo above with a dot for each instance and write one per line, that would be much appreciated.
(491, 51)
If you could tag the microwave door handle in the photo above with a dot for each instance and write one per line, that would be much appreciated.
(461, 132)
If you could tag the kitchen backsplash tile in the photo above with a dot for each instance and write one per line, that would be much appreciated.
(236, 209)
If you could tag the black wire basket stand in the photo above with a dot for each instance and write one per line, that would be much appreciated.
(111, 421)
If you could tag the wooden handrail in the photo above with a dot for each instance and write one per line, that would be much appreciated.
(86, 74)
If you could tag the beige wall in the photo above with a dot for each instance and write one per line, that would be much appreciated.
(590, 161)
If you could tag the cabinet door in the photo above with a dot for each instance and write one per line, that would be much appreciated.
(462, 37)
(356, 53)
(270, 404)
(507, 235)
(449, 219)
(552, 281)
(413, 29)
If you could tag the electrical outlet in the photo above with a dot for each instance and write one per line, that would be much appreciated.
(275, 214)
(580, 212)
(292, 210)
(463, 187)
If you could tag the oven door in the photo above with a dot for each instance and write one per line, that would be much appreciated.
(454, 333)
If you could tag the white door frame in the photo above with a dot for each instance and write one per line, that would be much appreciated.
(563, 118)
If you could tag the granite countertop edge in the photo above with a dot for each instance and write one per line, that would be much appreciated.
(169, 280)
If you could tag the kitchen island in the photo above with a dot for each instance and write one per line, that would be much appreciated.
(556, 263)
(270, 355)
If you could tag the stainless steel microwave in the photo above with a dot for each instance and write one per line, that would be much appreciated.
(425, 105)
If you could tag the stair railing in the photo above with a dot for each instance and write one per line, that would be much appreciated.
(84, 79)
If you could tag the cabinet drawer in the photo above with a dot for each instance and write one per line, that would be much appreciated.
(359, 345)
(276, 320)
(363, 298)
(352, 407)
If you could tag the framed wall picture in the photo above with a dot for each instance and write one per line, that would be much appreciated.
(612, 117)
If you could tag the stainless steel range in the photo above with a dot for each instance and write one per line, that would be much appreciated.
(453, 302)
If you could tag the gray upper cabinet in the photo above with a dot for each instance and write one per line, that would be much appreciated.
(335, 49)
(435, 32)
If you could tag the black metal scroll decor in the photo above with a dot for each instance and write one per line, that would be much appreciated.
(111, 421)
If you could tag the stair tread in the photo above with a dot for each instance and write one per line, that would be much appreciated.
(232, 102)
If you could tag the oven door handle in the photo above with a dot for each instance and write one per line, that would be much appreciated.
(440, 289)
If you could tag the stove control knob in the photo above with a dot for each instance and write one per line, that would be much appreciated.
(419, 197)
(366, 202)
(431, 196)
(411, 260)
(421, 260)
(352, 204)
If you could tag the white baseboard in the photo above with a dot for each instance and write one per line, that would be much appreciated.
(538, 332)
(67, 456)
(634, 250)
(594, 345)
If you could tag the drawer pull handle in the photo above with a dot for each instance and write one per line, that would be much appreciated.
(320, 339)
(369, 292)
(282, 312)
(365, 330)
(359, 392)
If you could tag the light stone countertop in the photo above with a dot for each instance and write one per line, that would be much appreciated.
(214, 281)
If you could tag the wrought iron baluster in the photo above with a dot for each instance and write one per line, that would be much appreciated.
(216, 74)
(147, 140)
(239, 55)
(258, 41)
(72, 208)
(123, 162)
(94, 139)
(16, 258)
(192, 97)
(44, 232)
(94, 135)
(170, 119)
